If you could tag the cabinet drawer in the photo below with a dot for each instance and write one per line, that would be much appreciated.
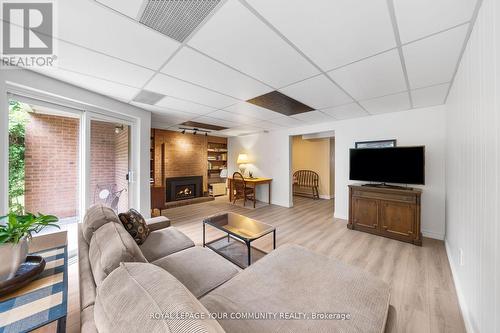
(385, 196)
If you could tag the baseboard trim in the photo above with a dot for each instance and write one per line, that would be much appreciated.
(432, 234)
(461, 298)
(324, 196)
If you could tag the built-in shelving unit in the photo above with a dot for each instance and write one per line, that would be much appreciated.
(217, 159)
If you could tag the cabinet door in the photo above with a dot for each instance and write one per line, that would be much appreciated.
(365, 212)
(397, 218)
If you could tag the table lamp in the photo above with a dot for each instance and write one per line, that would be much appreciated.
(242, 160)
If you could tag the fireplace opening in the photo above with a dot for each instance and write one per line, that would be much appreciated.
(183, 188)
(184, 192)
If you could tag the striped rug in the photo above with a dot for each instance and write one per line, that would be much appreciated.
(42, 301)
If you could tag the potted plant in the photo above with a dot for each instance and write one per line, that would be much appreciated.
(15, 232)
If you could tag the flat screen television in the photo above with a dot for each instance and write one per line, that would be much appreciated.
(404, 165)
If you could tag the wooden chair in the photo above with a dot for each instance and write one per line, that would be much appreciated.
(308, 179)
(241, 190)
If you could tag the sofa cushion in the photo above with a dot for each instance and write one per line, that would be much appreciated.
(85, 279)
(292, 279)
(135, 296)
(95, 217)
(157, 223)
(164, 242)
(111, 245)
(87, 324)
(135, 225)
(199, 269)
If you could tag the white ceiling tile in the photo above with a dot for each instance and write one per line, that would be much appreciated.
(240, 131)
(81, 60)
(237, 37)
(287, 121)
(372, 77)
(129, 8)
(193, 66)
(391, 103)
(230, 116)
(417, 19)
(164, 122)
(433, 60)
(267, 125)
(111, 89)
(112, 33)
(348, 111)
(317, 92)
(332, 33)
(164, 112)
(182, 105)
(176, 88)
(313, 117)
(253, 111)
(217, 122)
(429, 96)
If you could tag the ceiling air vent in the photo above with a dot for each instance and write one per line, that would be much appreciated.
(148, 97)
(176, 19)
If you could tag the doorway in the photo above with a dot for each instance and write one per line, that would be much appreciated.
(313, 166)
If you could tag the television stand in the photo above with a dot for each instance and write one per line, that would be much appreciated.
(384, 185)
(386, 211)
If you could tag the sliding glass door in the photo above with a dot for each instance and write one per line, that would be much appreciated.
(109, 163)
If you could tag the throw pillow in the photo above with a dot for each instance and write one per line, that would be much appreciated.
(135, 224)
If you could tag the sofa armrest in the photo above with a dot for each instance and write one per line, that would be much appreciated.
(157, 223)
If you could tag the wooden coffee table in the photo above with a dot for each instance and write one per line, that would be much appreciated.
(241, 232)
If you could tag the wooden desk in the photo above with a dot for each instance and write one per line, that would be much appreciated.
(250, 182)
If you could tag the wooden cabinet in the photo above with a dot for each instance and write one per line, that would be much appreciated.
(388, 212)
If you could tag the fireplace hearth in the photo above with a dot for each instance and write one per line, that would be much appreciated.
(183, 188)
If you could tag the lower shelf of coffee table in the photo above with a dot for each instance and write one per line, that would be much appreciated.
(235, 251)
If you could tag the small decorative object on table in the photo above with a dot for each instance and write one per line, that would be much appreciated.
(14, 236)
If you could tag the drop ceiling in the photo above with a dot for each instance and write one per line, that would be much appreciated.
(343, 58)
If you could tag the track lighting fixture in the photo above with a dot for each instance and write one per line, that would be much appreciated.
(194, 130)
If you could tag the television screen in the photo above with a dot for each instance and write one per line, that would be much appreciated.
(403, 165)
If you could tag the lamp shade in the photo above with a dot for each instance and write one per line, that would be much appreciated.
(242, 158)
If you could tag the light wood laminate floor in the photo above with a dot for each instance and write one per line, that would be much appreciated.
(423, 296)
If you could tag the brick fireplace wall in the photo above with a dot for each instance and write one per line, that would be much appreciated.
(51, 171)
(184, 155)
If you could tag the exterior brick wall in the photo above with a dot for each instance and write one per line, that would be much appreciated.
(109, 159)
(51, 172)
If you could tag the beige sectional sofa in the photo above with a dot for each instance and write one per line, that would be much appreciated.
(167, 284)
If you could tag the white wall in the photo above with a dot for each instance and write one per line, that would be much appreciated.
(269, 156)
(416, 127)
(472, 175)
(44, 86)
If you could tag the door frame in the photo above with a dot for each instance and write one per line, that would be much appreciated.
(86, 113)
(90, 116)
